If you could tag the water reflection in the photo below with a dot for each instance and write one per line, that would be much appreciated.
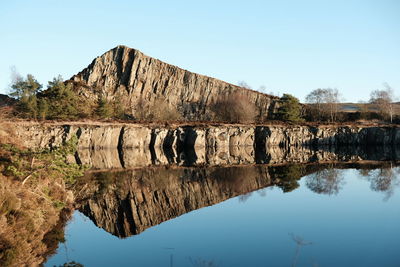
(129, 191)
(127, 202)
(326, 181)
(106, 159)
(383, 179)
(318, 215)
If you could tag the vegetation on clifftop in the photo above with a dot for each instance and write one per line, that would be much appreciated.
(290, 109)
(64, 100)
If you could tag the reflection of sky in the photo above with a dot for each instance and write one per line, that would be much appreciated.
(353, 228)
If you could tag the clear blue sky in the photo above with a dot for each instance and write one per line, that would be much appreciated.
(288, 46)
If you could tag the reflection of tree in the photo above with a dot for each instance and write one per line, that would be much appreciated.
(243, 198)
(327, 181)
(262, 192)
(286, 176)
(364, 172)
(383, 179)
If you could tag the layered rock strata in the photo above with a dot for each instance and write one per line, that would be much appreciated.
(214, 138)
(132, 146)
(132, 78)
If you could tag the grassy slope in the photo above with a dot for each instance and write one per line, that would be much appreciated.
(35, 202)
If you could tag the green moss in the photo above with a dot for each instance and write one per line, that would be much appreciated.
(58, 204)
(51, 163)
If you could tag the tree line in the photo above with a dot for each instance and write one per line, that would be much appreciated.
(324, 105)
(60, 100)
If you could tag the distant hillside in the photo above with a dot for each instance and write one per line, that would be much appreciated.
(364, 107)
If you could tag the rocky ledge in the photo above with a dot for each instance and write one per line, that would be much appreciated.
(214, 137)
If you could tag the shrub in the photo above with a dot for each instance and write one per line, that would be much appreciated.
(160, 110)
(105, 109)
(234, 108)
(25, 90)
(289, 109)
(62, 101)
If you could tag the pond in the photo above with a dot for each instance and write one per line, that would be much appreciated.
(257, 215)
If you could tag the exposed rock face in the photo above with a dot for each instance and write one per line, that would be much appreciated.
(287, 136)
(131, 146)
(130, 76)
(216, 138)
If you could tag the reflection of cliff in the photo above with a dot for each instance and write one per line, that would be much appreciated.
(126, 203)
(103, 159)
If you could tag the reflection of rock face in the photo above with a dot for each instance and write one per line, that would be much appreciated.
(131, 201)
(126, 203)
(102, 159)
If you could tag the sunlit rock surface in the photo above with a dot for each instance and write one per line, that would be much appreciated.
(129, 76)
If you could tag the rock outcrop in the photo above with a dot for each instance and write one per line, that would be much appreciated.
(212, 137)
(130, 77)
(132, 145)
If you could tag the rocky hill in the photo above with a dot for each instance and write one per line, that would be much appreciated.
(127, 75)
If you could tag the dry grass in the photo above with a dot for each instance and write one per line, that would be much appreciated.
(27, 214)
(32, 200)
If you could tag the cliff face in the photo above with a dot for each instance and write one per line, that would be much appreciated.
(129, 76)
(132, 146)
(212, 137)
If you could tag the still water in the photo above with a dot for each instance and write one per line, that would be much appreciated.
(257, 216)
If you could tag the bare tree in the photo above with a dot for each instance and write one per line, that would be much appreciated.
(324, 98)
(262, 89)
(316, 97)
(244, 85)
(384, 179)
(327, 181)
(332, 100)
(383, 99)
